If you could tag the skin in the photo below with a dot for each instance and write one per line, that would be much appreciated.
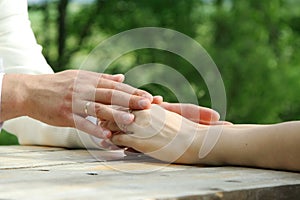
(194, 113)
(169, 137)
(59, 99)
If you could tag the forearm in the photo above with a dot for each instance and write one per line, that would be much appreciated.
(13, 97)
(170, 137)
(270, 146)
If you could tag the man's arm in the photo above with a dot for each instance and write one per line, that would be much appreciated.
(61, 99)
(21, 54)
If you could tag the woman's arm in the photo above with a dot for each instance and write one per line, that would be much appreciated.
(170, 137)
(269, 146)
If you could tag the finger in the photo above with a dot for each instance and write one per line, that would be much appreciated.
(104, 144)
(107, 144)
(132, 152)
(105, 112)
(123, 140)
(90, 128)
(192, 112)
(114, 147)
(110, 125)
(129, 151)
(221, 123)
(157, 100)
(98, 76)
(116, 77)
(116, 97)
(104, 83)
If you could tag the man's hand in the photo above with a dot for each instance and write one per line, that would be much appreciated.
(68, 97)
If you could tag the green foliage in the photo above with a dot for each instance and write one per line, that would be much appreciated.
(254, 43)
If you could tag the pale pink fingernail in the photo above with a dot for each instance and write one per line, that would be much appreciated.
(144, 103)
(121, 77)
(217, 114)
(158, 99)
(106, 133)
(127, 118)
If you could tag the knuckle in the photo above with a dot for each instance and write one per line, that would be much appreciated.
(134, 101)
(138, 92)
(108, 94)
(98, 109)
(101, 81)
(117, 86)
(102, 112)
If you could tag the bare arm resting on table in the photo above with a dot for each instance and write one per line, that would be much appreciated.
(173, 138)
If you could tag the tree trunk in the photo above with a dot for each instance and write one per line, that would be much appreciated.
(62, 13)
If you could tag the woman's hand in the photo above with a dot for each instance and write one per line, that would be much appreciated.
(163, 135)
(68, 97)
(169, 137)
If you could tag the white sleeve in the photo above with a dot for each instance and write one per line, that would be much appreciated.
(32, 132)
(1, 79)
(21, 54)
(18, 46)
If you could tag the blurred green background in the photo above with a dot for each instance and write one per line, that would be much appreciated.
(255, 44)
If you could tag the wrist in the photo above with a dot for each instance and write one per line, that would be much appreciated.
(203, 143)
(14, 95)
(210, 149)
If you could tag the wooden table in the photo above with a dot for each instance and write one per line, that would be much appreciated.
(28, 172)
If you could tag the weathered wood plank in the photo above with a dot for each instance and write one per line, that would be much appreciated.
(39, 156)
(22, 149)
(212, 182)
(74, 175)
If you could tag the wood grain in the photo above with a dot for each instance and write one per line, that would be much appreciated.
(54, 173)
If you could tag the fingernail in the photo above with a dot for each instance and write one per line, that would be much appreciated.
(118, 75)
(106, 133)
(127, 118)
(158, 99)
(144, 103)
(122, 77)
(218, 115)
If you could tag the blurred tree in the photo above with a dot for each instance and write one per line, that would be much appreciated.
(251, 40)
(62, 31)
(254, 43)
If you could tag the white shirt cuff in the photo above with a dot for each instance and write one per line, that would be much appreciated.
(1, 79)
